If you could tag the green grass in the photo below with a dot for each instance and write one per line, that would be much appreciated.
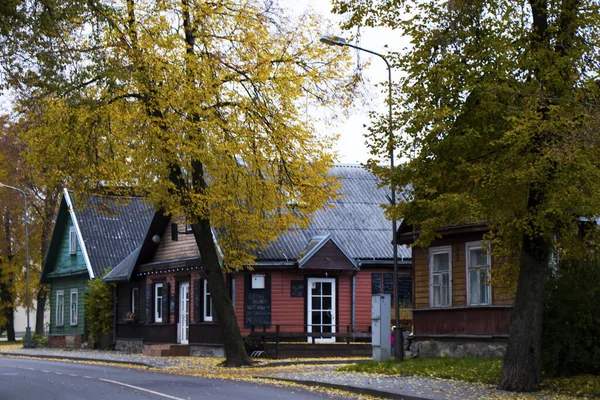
(475, 370)
(462, 369)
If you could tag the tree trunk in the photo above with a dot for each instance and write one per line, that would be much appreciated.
(50, 209)
(9, 313)
(522, 370)
(235, 351)
(42, 296)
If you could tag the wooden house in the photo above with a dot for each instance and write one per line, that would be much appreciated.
(312, 284)
(87, 241)
(456, 311)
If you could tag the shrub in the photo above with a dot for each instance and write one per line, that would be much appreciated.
(571, 338)
(39, 340)
(99, 308)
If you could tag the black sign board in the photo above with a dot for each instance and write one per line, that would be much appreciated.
(257, 304)
(376, 283)
(388, 283)
(297, 289)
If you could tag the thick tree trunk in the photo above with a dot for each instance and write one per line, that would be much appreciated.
(50, 209)
(235, 352)
(42, 296)
(521, 371)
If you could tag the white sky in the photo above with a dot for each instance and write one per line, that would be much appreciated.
(351, 145)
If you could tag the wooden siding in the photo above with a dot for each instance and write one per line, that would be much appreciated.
(462, 321)
(329, 257)
(65, 261)
(184, 247)
(290, 312)
(458, 281)
(66, 284)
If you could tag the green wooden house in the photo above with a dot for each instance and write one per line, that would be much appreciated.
(89, 238)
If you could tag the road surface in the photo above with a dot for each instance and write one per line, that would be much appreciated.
(40, 379)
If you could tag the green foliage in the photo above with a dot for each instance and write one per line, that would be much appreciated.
(571, 338)
(463, 369)
(99, 308)
(39, 340)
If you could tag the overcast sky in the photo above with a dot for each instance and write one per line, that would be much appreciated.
(351, 146)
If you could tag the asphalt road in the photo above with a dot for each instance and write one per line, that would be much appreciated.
(36, 379)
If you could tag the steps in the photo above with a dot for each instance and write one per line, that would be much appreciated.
(166, 350)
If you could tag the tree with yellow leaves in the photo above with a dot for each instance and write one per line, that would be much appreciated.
(199, 105)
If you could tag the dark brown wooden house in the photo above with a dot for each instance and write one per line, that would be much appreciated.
(456, 311)
(312, 284)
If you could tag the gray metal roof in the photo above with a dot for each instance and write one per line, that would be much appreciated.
(356, 222)
(112, 228)
(122, 272)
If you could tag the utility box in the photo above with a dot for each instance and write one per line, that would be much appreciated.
(380, 327)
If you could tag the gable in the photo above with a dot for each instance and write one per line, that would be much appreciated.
(59, 261)
(183, 248)
(328, 257)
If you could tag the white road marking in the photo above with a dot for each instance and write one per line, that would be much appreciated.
(142, 389)
(45, 371)
(58, 373)
(75, 375)
(88, 377)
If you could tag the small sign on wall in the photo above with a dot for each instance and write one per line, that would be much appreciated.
(258, 281)
(297, 289)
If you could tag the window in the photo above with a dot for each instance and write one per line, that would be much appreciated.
(158, 302)
(60, 308)
(74, 307)
(72, 241)
(134, 300)
(440, 268)
(207, 303)
(478, 272)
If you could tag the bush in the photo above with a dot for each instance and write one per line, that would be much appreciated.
(99, 308)
(571, 338)
(39, 340)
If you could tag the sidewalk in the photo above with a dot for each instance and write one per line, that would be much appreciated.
(314, 373)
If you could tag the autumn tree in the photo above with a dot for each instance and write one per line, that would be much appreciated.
(497, 119)
(200, 106)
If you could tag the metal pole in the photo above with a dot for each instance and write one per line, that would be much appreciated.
(398, 337)
(27, 343)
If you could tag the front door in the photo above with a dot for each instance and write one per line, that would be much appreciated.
(321, 308)
(184, 313)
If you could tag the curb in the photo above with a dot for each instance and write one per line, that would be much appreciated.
(347, 388)
(315, 362)
(56, 357)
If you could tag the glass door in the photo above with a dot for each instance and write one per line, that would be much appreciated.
(321, 308)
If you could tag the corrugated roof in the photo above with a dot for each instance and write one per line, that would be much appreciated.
(356, 222)
(112, 228)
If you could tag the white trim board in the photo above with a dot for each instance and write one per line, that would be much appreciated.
(86, 258)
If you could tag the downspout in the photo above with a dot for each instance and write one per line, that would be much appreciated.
(114, 335)
(353, 300)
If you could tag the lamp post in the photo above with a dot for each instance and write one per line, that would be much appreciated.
(27, 343)
(398, 338)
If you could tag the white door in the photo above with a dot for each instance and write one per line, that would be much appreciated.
(184, 313)
(321, 308)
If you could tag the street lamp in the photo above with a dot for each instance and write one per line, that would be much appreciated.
(398, 338)
(27, 343)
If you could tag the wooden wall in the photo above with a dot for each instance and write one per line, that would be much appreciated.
(459, 288)
(462, 321)
(184, 247)
(329, 257)
(66, 284)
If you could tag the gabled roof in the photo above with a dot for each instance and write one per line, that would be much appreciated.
(356, 222)
(109, 228)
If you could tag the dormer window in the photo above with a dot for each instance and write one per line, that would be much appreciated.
(72, 242)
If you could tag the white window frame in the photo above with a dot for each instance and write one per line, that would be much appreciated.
(259, 281)
(72, 241)
(473, 246)
(60, 308)
(207, 311)
(73, 312)
(440, 250)
(158, 317)
(134, 300)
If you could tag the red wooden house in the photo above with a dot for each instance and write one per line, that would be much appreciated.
(456, 311)
(310, 284)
